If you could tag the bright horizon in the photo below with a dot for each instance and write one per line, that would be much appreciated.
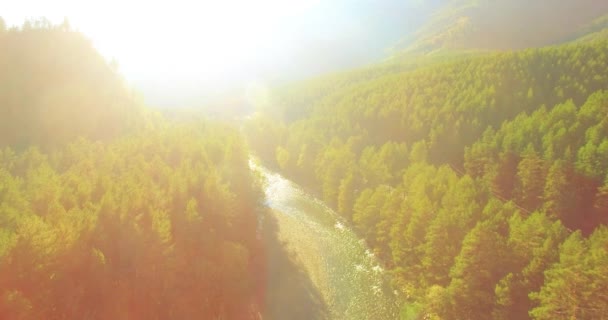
(182, 52)
(304, 159)
(197, 41)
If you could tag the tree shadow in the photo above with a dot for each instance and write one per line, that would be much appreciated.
(290, 293)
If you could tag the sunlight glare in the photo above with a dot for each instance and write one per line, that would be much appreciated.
(200, 41)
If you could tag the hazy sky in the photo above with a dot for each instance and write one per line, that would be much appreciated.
(189, 48)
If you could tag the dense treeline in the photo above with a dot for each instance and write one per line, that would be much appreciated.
(505, 24)
(449, 104)
(157, 226)
(294, 101)
(480, 182)
(55, 86)
(108, 211)
(555, 160)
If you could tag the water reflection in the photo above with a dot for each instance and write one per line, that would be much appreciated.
(342, 278)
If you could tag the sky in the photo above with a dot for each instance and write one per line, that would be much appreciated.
(177, 51)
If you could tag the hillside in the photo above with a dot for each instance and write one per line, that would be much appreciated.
(596, 29)
(463, 179)
(55, 86)
(479, 180)
(503, 24)
(109, 211)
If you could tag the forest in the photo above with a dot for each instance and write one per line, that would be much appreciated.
(480, 179)
(108, 210)
(477, 179)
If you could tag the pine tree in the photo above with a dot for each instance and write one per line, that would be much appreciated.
(601, 203)
(561, 297)
(478, 268)
(557, 195)
(531, 178)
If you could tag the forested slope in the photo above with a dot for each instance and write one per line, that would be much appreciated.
(479, 181)
(156, 226)
(55, 86)
(504, 24)
(108, 211)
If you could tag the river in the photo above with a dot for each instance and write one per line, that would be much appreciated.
(318, 267)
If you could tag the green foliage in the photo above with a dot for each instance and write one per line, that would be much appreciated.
(126, 218)
(476, 271)
(55, 87)
(464, 175)
(106, 210)
(506, 24)
(575, 287)
(7, 241)
(564, 181)
(530, 174)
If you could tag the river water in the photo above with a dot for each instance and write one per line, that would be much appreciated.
(344, 275)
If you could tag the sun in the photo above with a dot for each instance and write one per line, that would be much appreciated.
(166, 41)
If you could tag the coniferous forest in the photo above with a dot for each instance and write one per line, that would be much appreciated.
(108, 211)
(478, 179)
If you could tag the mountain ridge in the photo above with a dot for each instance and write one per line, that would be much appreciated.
(503, 25)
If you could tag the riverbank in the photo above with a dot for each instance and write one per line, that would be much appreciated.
(318, 268)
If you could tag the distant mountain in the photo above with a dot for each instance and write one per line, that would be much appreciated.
(598, 28)
(504, 24)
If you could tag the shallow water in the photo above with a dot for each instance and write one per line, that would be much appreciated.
(347, 276)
